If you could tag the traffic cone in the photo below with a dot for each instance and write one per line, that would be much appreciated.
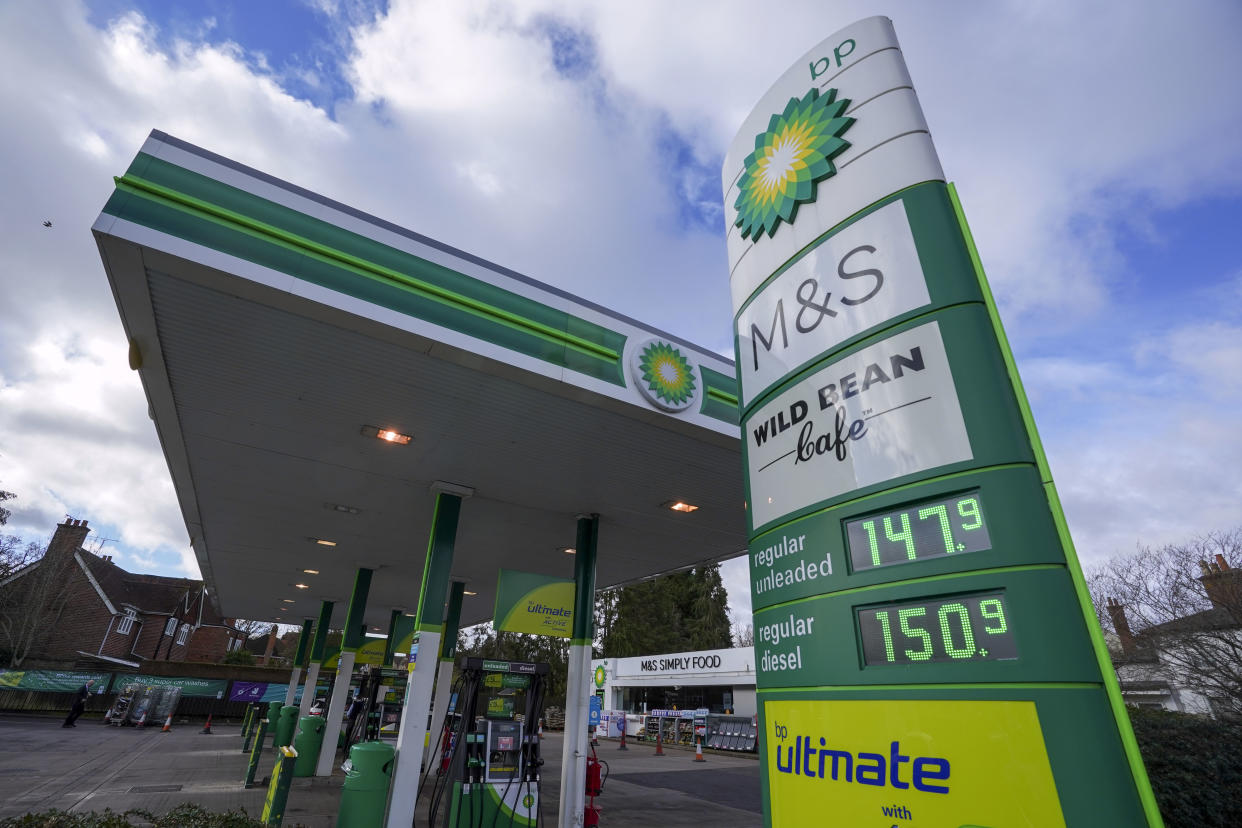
(142, 721)
(167, 724)
(207, 727)
(698, 751)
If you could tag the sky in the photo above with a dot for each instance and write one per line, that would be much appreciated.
(1095, 147)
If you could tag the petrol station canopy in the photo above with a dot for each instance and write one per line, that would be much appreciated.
(279, 335)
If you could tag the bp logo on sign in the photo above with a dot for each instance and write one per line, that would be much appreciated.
(664, 375)
(600, 676)
(791, 157)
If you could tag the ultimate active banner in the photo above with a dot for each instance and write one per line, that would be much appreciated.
(536, 604)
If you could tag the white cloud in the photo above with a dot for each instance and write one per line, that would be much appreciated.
(1063, 125)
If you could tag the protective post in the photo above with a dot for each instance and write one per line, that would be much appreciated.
(436, 568)
(318, 645)
(444, 671)
(273, 813)
(304, 638)
(256, 751)
(350, 642)
(574, 752)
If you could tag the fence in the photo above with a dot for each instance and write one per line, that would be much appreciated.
(54, 691)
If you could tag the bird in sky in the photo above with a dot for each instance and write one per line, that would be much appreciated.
(47, 223)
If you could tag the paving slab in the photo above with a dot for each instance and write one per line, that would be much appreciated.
(93, 767)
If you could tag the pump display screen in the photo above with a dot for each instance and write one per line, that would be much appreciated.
(961, 628)
(931, 529)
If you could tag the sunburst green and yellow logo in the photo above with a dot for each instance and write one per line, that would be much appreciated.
(601, 675)
(791, 157)
(663, 375)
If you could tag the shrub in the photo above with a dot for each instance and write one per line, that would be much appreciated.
(238, 657)
(1195, 767)
(183, 816)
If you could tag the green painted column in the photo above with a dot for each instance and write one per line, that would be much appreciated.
(444, 670)
(295, 673)
(577, 691)
(352, 639)
(393, 623)
(429, 618)
(318, 644)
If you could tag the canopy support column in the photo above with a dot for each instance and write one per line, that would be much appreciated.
(391, 641)
(304, 639)
(351, 640)
(318, 646)
(422, 670)
(444, 671)
(577, 693)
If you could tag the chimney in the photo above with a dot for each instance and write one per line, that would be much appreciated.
(1117, 612)
(271, 645)
(1223, 585)
(68, 538)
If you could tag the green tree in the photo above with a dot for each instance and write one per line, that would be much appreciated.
(680, 611)
(4, 513)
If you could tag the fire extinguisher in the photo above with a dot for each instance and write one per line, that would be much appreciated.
(596, 775)
(594, 783)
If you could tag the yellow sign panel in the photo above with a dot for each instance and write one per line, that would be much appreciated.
(909, 764)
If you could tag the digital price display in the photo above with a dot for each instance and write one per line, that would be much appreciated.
(961, 628)
(932, 529)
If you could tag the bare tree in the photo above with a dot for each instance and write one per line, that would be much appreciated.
(743, 634)
(15, 554)
(33, 596)
(1179, 606)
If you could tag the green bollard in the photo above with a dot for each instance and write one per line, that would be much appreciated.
(307, 744)
(246, 721)
(255, 753)
(365, 792)
(248, 734)
(285, 726)
(278, 789)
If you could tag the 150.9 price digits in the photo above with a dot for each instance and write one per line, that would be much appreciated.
(965, 628)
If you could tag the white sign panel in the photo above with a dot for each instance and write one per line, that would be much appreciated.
(886, 411)
(859, 278)
(889, 145)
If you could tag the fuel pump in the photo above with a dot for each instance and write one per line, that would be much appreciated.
(493, 767)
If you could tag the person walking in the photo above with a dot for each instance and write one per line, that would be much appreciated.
(79, 704)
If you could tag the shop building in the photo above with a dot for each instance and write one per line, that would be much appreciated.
(722, 681)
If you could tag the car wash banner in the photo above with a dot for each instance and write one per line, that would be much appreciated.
(190, 687)
(53, 681)
(926, 653)
(536, 604)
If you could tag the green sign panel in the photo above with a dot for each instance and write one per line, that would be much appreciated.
(536, 604)
(52, 681)
(925, 648)
(209, 688)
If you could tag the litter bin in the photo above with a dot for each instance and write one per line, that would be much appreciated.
(285, 726)
(365, 792)
(307, 744)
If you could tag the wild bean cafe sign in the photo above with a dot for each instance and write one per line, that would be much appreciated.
(926, 654)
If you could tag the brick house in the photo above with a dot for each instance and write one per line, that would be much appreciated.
(77, 606)
(1164, 665)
